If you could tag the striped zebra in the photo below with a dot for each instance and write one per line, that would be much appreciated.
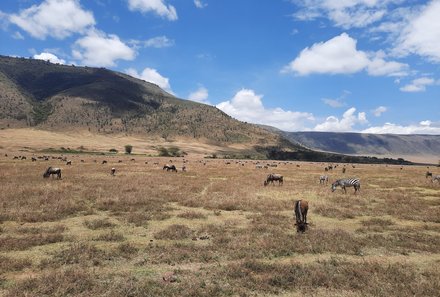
(323, 179)
(435, 178)
(347, 182)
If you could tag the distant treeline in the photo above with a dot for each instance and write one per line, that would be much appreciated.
(274, 153)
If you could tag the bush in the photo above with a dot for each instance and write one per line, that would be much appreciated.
(128, 149)
(113, 150)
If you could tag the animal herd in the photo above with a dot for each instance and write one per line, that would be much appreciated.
(300, 206)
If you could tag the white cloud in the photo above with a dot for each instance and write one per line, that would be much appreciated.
(418, 85)
(248, 106)
(346, 124)
(49, 57)
(340, 56)
(424, 127)
(200, 4)
(159, 42)
(99, 49)
(421, 34)
(379, 111)
(56, 18)
(344, 13)
(333, 102)
(200, 95)
(157, 6)
(151, 75)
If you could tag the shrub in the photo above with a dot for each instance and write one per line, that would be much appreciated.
(128, 149)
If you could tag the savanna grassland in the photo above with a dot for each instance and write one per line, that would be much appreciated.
(214, 230)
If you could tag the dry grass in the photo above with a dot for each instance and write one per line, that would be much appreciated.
(216, 228)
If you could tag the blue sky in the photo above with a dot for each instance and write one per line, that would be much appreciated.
(319, 65)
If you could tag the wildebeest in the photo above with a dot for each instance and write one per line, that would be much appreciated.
(113, 171)
(347, 182)
(428, 174)
(69, 162)
(52, 171)
(301, 208)
(104, 162)
(169, 167)
(323, 179)
(273, 177)
(34, 159)
(343, 170)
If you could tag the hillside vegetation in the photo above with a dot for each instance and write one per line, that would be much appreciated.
(58, 97)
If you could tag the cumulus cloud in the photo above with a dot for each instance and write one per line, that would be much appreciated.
(200, 4)
(100, 49)
(345, 124)
(345, 14)
(200, 95)
(247, 106)
(421, 34)
(151, 75)
(424, 127)
(157, 6)
(49, 57)
(418, 85)
(379, 111)
(55, 18)
(339, 55)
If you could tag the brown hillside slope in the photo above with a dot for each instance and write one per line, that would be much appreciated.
(56, 97)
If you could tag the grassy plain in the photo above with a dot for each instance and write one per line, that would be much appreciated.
(214, 230)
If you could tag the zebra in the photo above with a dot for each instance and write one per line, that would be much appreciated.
(347, 182)
(301, 208)
(52, 171)
(435, 178)
(323, 179)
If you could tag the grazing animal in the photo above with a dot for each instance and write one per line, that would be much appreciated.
(347, 182)
(52, 171)
(301, 209)
(69, 162)
(273, 177)
(184, 168)
(34, 159)
(436, 178)
(104, 162)
(323, 179)
(428, 174)
(169, 167)
(343, 170)
(113, 171)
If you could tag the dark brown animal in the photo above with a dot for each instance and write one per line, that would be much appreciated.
(301, 209)
(274, 177)
(52, 171)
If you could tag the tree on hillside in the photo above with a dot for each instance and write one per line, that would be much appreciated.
(128, 149)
